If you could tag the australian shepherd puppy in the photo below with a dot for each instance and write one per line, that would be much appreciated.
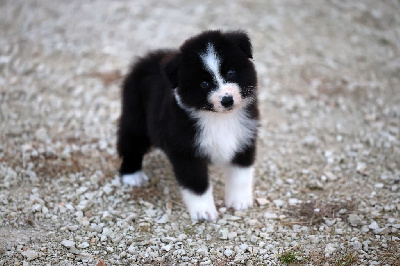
(199, 105)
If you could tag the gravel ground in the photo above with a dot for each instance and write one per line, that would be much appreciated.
(328, 167)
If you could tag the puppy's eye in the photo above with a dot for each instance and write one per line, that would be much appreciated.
(230, 74)
(204, 84)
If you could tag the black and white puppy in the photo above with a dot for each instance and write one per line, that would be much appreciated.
(199, 105)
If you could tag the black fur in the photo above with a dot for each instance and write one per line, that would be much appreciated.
(151, 115)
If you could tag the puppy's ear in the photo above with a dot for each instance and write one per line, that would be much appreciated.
(170, 66)
(243, 41)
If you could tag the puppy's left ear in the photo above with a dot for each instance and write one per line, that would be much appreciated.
(243, 41)
(170, 66)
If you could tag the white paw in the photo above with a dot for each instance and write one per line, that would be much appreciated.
(200, 207)
(239, 188)
(135, 179)
(241, 201)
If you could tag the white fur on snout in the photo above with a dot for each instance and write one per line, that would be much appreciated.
(136, 179)
(228, 89)
(200, 207)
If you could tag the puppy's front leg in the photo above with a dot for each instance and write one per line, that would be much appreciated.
(192, 175)
(239, 187)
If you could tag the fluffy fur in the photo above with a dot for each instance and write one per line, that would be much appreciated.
(199, 105)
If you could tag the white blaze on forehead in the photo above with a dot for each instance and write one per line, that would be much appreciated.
(212, 63)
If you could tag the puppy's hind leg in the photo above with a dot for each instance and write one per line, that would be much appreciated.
(131, 148)
(132, 145)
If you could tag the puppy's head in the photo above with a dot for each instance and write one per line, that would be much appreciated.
(213, 72)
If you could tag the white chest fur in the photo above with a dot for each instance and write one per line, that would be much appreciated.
(221, 135)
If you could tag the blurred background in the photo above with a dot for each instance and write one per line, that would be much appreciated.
(329, 91)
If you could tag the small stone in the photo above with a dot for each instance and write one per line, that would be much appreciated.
(84, 205)
(310, 141)
(30, 254)
(102, 145)
(373, 226)
(182, 237)
(270, 228)
(365, 229)
(72, 227)
(391, 220)
(357, 245)
(131, 249)
(45, 210)
(223, 234)
(83, 245)
(279, 203)
(330, 176)
(166, 248)
(381, 231)
(354, 220)
(379, 185)
(339, 231)
(36, 207)
(108, 189)
(262, 201)
(68, 243)
(315, 184)
(361, 168)
(253, 239)
(270, 215)
(293, 201)
(108, 232)
(328, 153)
(106, 216)
(329, 249)
(232, 235)
(329, 222)
(243, 246)
(252, 222)
(109, 249)
(228, 252)
(163, 219)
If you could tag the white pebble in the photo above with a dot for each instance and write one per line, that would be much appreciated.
(106, 216)
(30, 254)
(166, 248)
(270, 215)
(279, 202)
(262, 201)
(163, 219)
(131, 249)
(228, 252)
(329, 249)
(232, 235)
(83, 245)
(68, 243)
(373, 226)
(36, 207)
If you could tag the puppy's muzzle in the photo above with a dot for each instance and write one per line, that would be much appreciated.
(227, 101)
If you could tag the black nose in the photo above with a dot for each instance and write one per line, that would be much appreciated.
(227, 101)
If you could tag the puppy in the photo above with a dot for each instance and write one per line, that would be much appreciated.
(199, 105)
